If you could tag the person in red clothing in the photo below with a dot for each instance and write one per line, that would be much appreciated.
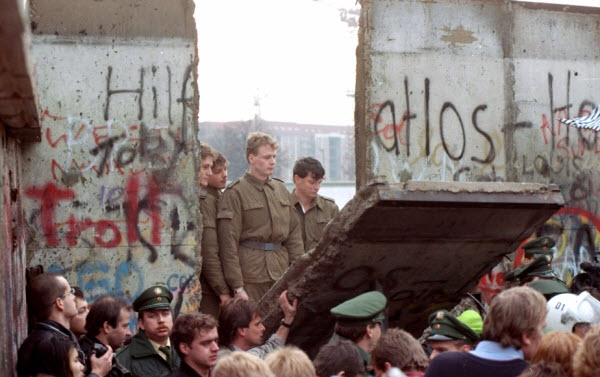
(512, 333)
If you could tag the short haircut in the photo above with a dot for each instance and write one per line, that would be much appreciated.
(307, 165)
(336, 356)
(543, 370)
(53, 356)
(42, 291)
(586, 362)
(241, 364)
(78, 293)
(220, 160)
(235, 314)
(188, 326)
(207, 151)
(257, 139)
(512, 313)
(558, 347)
(290, 362)
(353, 333)
(401, 350)
(105, 309)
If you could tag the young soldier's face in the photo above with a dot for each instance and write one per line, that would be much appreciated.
(263, 162)
(308, 186)
(218, 179)
(205, 170)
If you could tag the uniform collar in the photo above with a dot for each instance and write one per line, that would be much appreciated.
(317, 201)
(257, 182)
(203, 192)
(142, 346)
(213, 192)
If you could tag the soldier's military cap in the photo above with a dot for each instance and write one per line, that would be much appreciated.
(549, 287)
(539, 246)
(361, 310)
(445, 326)
(540, 267)
(155, 297)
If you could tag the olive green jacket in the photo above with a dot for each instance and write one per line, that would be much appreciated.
(252, 210)
(211, 276)
(142, 360)
(312, 223)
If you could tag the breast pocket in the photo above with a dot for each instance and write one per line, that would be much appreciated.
(254, 214)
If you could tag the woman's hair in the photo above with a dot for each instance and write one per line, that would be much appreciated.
(290, 362)
(54, 356)
(241, 364)
(586, 362)
(558, 347)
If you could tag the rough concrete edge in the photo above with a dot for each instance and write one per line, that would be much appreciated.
(557, 7)
(362, 96)
(317, 260)
(486, 187)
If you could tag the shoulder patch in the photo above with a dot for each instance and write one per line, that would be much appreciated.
(328, 198)
(277, 179)
(233, 183)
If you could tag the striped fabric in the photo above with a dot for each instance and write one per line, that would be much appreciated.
(591, 122)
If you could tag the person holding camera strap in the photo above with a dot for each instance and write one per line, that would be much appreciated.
(107, 326)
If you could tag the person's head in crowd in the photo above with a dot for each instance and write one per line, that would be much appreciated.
(242, 364)
(261, 153)
(360, 318)
(49, 296)
(77, 323)
(558, 347)
(543, 370)
(573, 313)
(58, 356)
(240, 324)
(308, 175)
(448, 333)
(195, 338)
(399, 349)
(586, 362)
(539, 269)
(339, 358)
(153, 306)
(290, 362)
(516, 318)
(218, 179)
(538, 246)
(207, 155)
(108, 321)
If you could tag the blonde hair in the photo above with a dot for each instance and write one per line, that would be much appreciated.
(257, 139)
(558, 347)
(290, 362)
(512, 313)
(207, 151)
(586, 362)
(241, 364)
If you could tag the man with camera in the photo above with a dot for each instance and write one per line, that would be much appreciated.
(107, 324)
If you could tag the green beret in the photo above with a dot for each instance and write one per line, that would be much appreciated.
(445, 326)
(539, 246)
(155, 297)
(362, 310)
(540, 267)
(549, 287)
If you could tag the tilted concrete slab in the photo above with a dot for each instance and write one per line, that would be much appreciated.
(423, 244)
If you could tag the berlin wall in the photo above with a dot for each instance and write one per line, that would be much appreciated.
(111, 197)
(471, 91)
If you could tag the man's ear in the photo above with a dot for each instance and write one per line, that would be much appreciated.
(526, 340)
(387, 366)
(184, 349)
(296, 177)
(141, 324)
(58, 304)
(369, 332)
(465, 348)
(106, 327)
(241, 331)
(251, 158)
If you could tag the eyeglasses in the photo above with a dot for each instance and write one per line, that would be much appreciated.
(72, 291)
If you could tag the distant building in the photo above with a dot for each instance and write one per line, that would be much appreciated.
(332, 145)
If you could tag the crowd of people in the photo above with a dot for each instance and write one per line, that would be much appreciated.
(252, 232)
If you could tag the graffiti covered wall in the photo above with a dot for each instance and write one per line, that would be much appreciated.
(471, 91)
(111, 197)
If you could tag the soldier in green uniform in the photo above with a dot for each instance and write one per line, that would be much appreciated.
(313, 210)
(539, 275)
(449, 333)
(359, 320)
(536, 247)
(212, 282)
(258, 232)
(150, 353)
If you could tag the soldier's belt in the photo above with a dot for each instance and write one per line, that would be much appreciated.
(266, 246)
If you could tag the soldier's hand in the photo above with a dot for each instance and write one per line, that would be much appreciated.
(102, 365)
(242, 294)
(289, 311)
(224, 299)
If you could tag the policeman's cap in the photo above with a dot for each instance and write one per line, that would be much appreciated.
(361, 310)
(155, 297)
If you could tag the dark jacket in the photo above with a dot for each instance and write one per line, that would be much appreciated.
(28, 356)
(87, 344)
(142, 360)
(185, 370)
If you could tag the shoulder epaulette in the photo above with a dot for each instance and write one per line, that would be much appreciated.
(233, 183)
(277, 179)
(328, 198)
